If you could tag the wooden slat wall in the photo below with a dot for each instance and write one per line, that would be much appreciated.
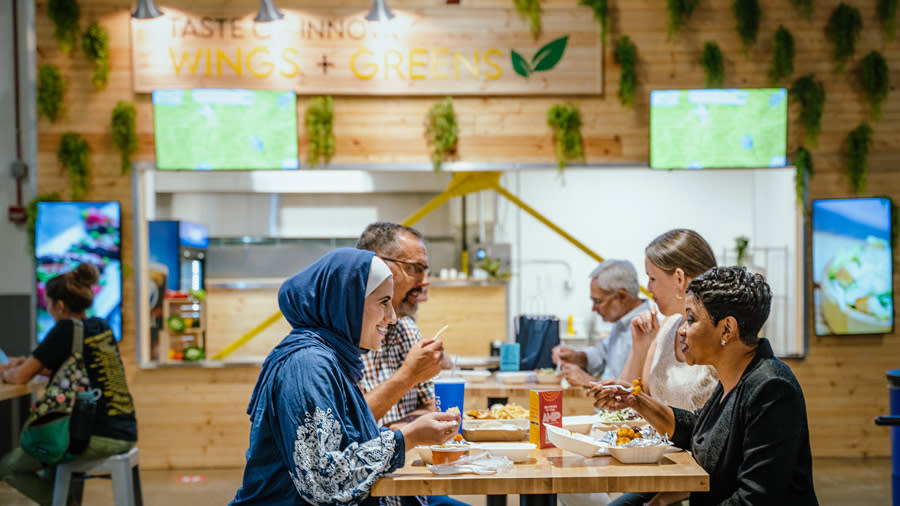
(195, 418)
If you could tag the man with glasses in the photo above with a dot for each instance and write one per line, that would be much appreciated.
(397, 378)
(615, 296)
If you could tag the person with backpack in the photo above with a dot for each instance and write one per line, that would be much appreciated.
(114, 426)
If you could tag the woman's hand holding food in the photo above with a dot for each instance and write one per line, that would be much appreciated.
(644, 328)
(612, 398)
(431, 429)
(423, 361)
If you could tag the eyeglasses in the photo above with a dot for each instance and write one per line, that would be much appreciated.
(410, 268)
(599, 302)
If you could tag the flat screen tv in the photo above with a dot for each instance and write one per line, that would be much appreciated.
(225, 129)
(852, 266)
(69, 233)
(699, 129)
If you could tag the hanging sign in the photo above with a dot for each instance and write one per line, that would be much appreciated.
(447, 50)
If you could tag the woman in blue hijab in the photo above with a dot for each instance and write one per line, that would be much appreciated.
(314, 439)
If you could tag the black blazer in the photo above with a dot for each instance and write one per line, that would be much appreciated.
(755, 443)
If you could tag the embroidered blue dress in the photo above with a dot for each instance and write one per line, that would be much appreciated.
(314, 439)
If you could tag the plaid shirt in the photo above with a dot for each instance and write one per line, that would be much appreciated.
(380, 365)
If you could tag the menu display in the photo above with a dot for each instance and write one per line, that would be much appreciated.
(852, 266)
(698, 129)
(69, 233)
(225, 129)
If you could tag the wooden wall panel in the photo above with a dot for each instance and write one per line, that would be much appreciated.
(843, 377)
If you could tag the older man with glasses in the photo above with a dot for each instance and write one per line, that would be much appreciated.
(397, 378)
(615, 296)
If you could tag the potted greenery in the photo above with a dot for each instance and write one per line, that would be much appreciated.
(804, 164)
(876, 81)
(783, 56)
(804, 7)
(565, 121)
(887, 13)
(747, 13)
(843, 29)
(124, 132)
(601, 15)
(441, 131)
(679, 11)
(810, 94)
(858, 142)
(65, 15)
(626, 56)
(95, 43)
(530, 10)
(50, 91)
(73, 155)
(713, 65)
(741, 243)
(319, 123)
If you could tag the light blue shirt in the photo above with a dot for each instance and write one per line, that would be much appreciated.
(607, 359)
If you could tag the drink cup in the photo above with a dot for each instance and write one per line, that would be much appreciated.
(449, 393)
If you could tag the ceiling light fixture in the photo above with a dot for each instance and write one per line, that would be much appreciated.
(267, 12)
(379, 11)
(146, 9)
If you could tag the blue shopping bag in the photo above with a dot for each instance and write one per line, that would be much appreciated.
(536, 335)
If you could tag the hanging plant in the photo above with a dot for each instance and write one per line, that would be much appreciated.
(601, 15)
(95, 43)
(566, 124)
(73, 155)
(441, 131)
(679, 11)
(51, 89)
(804, 7)
(530, 10)
(843, 29)
(810, 94)
(887, 13)
(319, 122)
(124, 132)
(747, 13)
(713, 65)
(858, 142)
(804, 164)
(876, 81)
(31, 215)
(783, 56)
(626, 56)
(65, 15)
(740, 247)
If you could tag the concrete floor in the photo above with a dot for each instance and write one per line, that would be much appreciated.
(838, 482)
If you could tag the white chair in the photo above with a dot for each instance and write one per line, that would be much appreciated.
(126, 478)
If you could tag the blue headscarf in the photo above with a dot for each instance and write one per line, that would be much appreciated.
(324, 305)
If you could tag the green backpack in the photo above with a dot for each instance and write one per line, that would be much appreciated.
(59, 424)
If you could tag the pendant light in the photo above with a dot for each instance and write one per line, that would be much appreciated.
(379, 11)
(146, 9)
(267, 12)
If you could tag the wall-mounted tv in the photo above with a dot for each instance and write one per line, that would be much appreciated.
(69, 233)
(852, 266)
(699, 129)
(213, 129)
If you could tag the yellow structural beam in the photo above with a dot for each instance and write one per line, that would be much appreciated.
(463, 183)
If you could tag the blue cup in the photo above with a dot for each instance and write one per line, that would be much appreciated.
(449, 393)
(509, 357)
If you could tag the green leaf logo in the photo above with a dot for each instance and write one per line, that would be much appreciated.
(520, 64)
(545, 59)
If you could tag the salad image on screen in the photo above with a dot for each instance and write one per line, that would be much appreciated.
(698, 129)
(69, 233)
(852, 266)
(225, 129)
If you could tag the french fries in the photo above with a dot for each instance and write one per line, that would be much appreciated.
(498, 412)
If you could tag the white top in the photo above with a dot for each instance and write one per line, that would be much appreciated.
(675, 383)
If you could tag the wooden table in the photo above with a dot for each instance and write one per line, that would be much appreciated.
(12, 391)
(551, 471)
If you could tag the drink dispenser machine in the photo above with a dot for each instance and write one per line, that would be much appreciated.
(178, 251)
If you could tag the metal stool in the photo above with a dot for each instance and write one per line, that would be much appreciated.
(125, 473)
